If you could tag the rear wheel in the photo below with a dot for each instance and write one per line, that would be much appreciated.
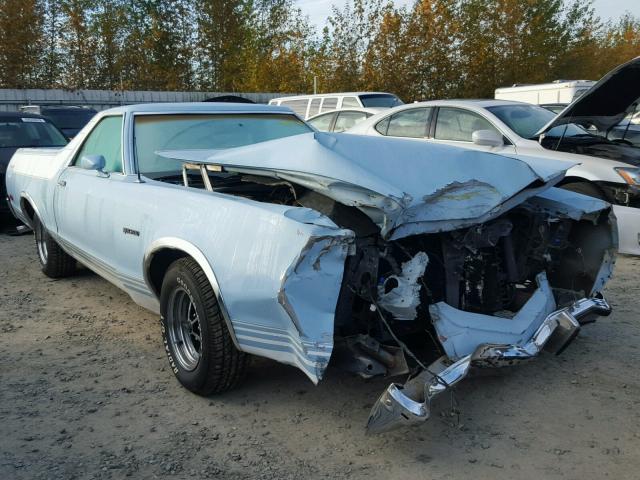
(54, 262)
(201, 351)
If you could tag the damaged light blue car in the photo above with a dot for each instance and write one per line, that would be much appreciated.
(251, 233)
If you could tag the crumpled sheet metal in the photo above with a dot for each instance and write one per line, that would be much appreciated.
(394, 181)
(570, 204)
(462, 332)
(280, 285)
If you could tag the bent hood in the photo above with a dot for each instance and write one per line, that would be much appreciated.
(607, 103)
(397, 183)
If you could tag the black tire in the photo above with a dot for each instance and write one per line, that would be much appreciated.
(54, 262)
(585, 188)
(197, 342)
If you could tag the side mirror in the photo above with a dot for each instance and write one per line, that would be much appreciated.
(92, 162)
(487, 138)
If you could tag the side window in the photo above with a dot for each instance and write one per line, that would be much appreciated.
(458, 125)
(323, 122)
(105, 139)
(409, 123)
(299, 106)
(329, 103)
(383, 125)
(350, 102)
(314, 108)
(346, 120)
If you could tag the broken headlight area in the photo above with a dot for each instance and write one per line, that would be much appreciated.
(495, 294)
(624, 195)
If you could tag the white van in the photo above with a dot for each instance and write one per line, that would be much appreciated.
(561, 92)
(307, 106)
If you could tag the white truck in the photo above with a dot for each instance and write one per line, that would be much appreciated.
(558, 92)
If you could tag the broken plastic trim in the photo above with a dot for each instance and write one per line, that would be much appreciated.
(402, 405)
(400, 294)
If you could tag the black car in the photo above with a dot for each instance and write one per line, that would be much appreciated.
(18, 130)
(69, 119)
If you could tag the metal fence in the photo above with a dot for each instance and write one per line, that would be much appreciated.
(11, 99)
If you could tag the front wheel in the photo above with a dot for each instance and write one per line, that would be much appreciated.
(198, 344)
(54, 262)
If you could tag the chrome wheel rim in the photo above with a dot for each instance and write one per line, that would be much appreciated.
(184, 329)
(41, 243)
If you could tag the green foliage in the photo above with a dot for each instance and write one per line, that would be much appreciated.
(435, 49)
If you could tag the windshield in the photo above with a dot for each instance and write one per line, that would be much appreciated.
(71, 119)
(29, 132)
(154, 133)
(380, 100)
(527, 120)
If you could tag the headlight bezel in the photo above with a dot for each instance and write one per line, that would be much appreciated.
(631, 175)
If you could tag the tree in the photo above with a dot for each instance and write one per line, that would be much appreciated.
(20, 43)
(351, 30)
(621, 43)
(222, 31)
(434, 29)
(387, 62)
(78, 44)
(52, 54)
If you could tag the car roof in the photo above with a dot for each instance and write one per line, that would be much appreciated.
(478, 102)
(331, 94)
(370, 110)
(462, 103)
(8, 116)
(198, 107)
(75, 108)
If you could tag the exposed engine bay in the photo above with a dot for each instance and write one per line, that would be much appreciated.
(594, 146)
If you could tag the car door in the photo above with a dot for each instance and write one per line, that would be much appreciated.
(85, 199)
(455, 126)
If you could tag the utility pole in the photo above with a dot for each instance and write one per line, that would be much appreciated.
(315, 84)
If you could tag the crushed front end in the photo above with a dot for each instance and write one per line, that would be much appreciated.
(438, 304)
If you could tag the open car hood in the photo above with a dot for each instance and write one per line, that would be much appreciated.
(607, 103)
(416, 185)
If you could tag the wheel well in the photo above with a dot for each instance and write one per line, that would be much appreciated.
(568, 180)
(159, 265)
(27, 208)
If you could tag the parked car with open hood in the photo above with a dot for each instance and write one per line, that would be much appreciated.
(250, 233)
(18, 130)
(608, 169)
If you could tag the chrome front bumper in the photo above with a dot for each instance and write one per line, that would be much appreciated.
(408, 404)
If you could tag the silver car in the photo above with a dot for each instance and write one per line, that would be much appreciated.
(606, 168)
(251, 234)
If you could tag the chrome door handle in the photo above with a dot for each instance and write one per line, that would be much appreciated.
(62, 183)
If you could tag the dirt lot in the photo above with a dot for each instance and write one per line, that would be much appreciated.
(85, 393)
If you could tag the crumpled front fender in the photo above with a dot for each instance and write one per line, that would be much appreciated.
(281, 287)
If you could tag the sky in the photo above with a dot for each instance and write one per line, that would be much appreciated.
(318, 10)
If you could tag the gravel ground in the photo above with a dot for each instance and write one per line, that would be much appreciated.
(85, 392)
